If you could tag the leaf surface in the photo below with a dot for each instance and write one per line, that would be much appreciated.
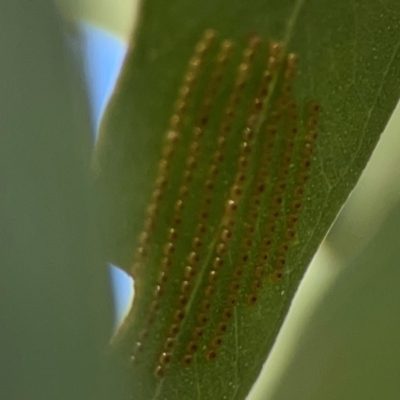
(210, 298)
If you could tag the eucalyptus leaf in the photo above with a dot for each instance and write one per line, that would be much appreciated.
(197, 329)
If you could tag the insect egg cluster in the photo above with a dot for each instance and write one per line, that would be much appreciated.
(242, 180)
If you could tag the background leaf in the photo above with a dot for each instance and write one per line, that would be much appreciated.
(348, 62)
(56, 306)
(116, 16)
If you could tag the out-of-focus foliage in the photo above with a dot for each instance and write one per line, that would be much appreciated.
(55, 300)
(117, 16)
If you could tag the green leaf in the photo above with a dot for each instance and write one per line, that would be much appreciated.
(197, 328)
(56, 305)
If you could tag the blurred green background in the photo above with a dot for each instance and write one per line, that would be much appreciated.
(341, 337)
(116, 16)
